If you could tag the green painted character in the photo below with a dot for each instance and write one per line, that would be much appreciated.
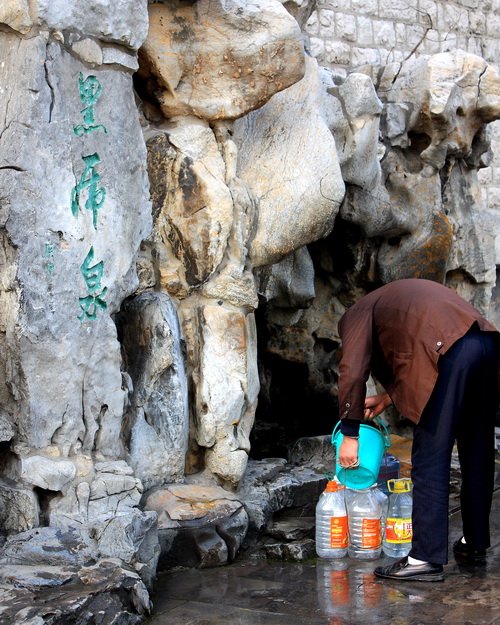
(89, 180)
(48, 253)
(92, 275)
(90, 90)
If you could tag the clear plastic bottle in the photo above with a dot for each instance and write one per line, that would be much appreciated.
(398, 531)
(331, 522)
(365, 526)
(384, 502)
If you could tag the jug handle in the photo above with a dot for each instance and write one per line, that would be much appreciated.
(384, 430)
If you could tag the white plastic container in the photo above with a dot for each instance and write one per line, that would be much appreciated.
(365, 526)
(398, 529)
(331, 522)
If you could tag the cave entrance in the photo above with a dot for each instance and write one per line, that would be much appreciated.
(291, 403)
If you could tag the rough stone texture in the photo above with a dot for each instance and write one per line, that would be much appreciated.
(314, 451)
(16, 14)
(228, 389)
(101, 495)
(347, 35)
(19, 509)
(219, 60)
(447, 99)
(250, 241)
(132, 539)
(49, 546)
(355, 124)
(158, 418)
(288, 286)
(32, 595)
(300, 9)
(198, 525)
(407, 213)
(47, 473)
(6, 428)
(123, 22)
(61, 384)
(204, 220)
(453, 95)
(297, 181)
(81, 355)
(272, 485)
(193, 201)
(296, 551)
(293, 528)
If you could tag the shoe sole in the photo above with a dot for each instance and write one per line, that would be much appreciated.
(437, 577)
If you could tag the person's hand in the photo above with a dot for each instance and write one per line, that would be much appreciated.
(348, 453)
(376, 404)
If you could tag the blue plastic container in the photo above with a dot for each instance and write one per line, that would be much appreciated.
(389, 470)
(372, 444)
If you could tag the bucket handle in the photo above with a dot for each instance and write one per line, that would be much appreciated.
(380, 423)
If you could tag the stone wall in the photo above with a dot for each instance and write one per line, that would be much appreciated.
(349, 34)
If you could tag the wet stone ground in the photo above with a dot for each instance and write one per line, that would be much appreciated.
(256, 591)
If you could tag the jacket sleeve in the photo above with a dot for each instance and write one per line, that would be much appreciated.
(356, 333)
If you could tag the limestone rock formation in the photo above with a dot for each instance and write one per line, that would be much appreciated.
(157, 419)
(295, 175)
(219, 60)
(199, 525)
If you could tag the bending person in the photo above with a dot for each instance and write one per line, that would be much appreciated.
(438, 359)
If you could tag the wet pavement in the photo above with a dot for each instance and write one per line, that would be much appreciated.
(322, 592)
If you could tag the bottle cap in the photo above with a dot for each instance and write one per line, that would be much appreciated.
(399, 486)
(333, 486)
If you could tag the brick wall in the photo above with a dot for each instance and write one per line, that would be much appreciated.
(346, 34)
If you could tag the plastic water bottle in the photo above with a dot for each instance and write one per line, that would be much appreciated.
(384, 502)
(398, 530)
(365, 526)
(331, 522)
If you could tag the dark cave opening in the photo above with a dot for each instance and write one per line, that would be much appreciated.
(288, 409)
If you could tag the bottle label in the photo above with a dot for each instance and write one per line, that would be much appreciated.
(371, 533)
(398, 531)
(338, 532)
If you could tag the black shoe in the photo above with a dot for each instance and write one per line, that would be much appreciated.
(426, 572)
(465, 555)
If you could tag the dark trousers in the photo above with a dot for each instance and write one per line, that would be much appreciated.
(462, 408)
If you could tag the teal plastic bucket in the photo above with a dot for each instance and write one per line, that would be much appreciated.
(372, 445)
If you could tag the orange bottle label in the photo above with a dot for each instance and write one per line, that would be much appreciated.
(398, 531)
(338, 532)
(371, 533)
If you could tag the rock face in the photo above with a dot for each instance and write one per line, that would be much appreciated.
(188, 203)
(298, 181)
(157, 418)
(195, 53)
(199, 525)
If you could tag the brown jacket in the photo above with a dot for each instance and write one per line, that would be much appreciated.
(398, 333)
